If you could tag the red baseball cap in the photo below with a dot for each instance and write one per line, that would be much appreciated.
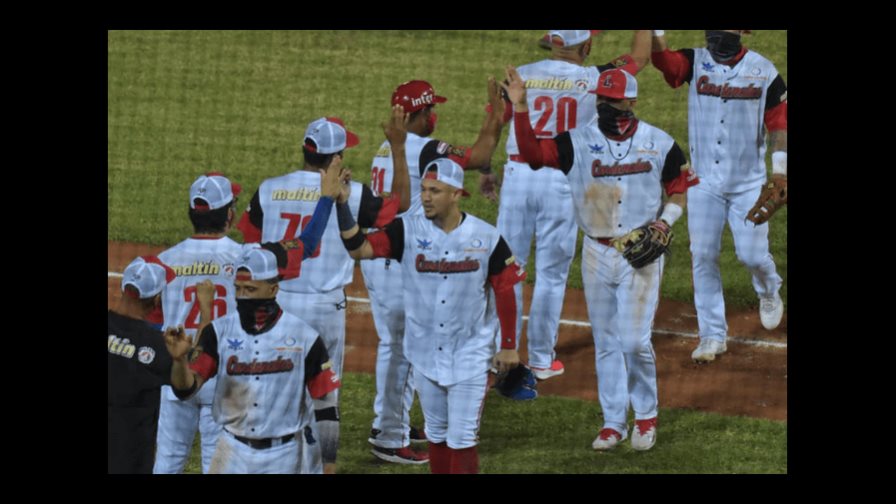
(617, 84)
(415, 95)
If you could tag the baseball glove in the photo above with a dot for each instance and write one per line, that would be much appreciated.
(773, 197)
(518, 384)
(645, 244)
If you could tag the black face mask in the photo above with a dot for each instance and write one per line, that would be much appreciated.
(614, 122)
(722, 45)
(257, 315)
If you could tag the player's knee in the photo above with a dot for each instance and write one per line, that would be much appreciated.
(704, 255)
(752, 258)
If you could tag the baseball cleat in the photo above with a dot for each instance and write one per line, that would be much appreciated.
(707, 350)
(556, 369)
(400, 455)
(771, 309)
(644, 435)
(607, 439)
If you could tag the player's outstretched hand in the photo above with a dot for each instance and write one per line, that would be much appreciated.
(515, 87)
(396, 129)
(177, 341)
(494, 97)
(488, 186)
(506, 360)
(330, 184)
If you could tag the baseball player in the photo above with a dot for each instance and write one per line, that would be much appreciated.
(735, 95)
(391, 431)
(269, 361)
(537, 204)
(448, 260)
(138, 366)
(617, 169)
(207, 255)
(277, 211)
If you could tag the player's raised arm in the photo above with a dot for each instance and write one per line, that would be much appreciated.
(536, 152)
(484, 148)
(396, 131)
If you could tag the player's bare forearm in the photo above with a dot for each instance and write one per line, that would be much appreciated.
(777, 140)
(679, 199)
(641, 45)
(484, 148)
(401, 183)
(205, 293)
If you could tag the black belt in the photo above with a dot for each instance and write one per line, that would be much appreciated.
(263, 444)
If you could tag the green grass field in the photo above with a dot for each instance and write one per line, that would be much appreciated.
(514, 441)
(185, 102)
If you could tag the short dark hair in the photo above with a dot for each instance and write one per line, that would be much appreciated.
(132, 292)
(209, 221)
(272, 281)
(415, 115)
(313, 158)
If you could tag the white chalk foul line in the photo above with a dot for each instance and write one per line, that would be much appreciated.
(580, 323)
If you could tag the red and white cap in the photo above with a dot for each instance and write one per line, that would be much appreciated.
(148, 275)
(260, 263)
(446, 171)
(215, 190)
(329, 136)
(415, 95)
(617, 84)
(570, 37)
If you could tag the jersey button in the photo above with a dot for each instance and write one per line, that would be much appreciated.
(443, 301)
(440, 349)
(723, 121)
(256, 405)
(719, 142)
(441, 325)
(446, 252)
(446, 277)
(256, 353)
(253, 429)
(256, 377)
(717, 161)
(620, 225)
(620, 202)
(620, 178)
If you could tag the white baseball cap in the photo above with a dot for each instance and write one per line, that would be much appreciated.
(329, 136)
(148, 275)
(261, 264)
(571, 37)
(215, 189)
(447, 171)
(617, 84)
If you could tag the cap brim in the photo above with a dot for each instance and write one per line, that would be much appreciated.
(351, 139)
(236, 189)
(439, 99)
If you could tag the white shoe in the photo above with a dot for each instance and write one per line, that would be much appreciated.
(707, 350)
(607, 439)
(644, 435)
(771, 309)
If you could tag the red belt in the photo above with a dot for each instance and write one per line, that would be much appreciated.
(517, 158)
(603, 241)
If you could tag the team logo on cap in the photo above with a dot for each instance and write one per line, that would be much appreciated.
(146, 354)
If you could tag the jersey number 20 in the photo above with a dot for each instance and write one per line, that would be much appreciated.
(219, 305)
(566, 115)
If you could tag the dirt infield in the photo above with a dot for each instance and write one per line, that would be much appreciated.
(750, 379)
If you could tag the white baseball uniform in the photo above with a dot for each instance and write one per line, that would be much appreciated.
(448, 338)
(727, 118)
(193, 260)
(281, 208)
(383, 277)
(261, 398)
(617, 187)
(537, 203)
